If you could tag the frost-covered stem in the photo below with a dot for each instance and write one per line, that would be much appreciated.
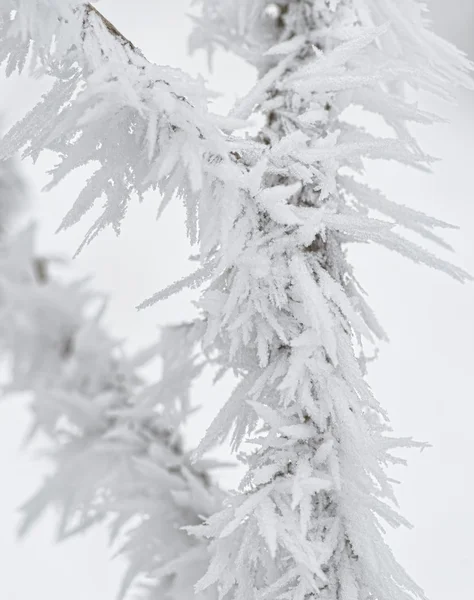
(310, 483)
(321, 479)
(292, 320)
(114, 440)
(163, 135)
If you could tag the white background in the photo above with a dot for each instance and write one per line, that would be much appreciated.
(424, 376)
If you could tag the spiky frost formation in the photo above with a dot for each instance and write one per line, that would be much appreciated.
(272, 216)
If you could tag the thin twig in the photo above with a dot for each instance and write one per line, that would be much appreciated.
(111, 28)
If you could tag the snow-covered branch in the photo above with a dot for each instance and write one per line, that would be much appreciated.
(114, 438)
(159, 131)
(288, 313)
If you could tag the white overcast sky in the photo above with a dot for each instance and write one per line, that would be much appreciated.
(425, 376)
